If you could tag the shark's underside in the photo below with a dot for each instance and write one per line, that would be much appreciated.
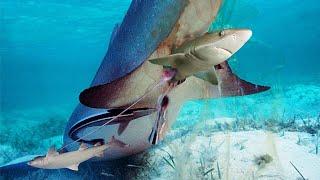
(150, 29)
(118, 94)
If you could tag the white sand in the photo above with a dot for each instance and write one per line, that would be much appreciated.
(235, 152)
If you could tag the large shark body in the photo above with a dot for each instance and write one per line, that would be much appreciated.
(126, 74)
(125, 66)
(150, 29)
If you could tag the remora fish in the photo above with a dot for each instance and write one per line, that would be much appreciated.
(71, 160)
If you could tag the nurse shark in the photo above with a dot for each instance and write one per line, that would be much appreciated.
(151, 29)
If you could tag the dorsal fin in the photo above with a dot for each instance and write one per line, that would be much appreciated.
(82, 147)
(52, 152)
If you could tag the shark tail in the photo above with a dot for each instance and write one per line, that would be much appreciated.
(231, 85)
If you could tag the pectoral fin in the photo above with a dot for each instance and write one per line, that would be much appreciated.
(122, 127)
(231, 85)
(52, 152)
(209, 76)
(170, 60)
(74, 167)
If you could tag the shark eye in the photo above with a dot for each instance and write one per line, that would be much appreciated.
(221, 33)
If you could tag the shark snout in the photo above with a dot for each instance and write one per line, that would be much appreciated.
(234, 39)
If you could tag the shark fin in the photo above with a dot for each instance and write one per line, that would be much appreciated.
(82, 147)
(171, 60)
(114, 33)
(122, 127)
(52, 152)
(209, 76)
(231, 85)
(74, 167)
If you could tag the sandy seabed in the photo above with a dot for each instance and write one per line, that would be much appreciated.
(238, 155)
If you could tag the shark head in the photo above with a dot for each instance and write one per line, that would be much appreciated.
(217, 47)
(37, 161)
(232, 40)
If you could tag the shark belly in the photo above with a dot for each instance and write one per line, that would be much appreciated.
(196, 17)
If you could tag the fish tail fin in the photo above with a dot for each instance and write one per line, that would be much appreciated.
(231, 85)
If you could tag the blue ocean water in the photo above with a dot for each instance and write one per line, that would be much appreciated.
(50, 51)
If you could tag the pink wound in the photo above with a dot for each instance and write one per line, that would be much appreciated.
(168, 74)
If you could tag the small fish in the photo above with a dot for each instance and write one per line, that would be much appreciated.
(160, 121)
(70, 160)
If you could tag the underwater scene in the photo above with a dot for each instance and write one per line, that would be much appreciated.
(159, 89)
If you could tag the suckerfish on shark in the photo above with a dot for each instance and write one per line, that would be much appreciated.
(71, 160)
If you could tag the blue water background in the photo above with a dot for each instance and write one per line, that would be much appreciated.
(50, 51)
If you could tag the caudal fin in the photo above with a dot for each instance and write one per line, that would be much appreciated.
(231, 85)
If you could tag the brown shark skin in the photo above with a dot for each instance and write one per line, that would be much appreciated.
(193, 22)
(126, 90)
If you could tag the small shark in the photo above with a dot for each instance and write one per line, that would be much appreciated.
(71, 160)
(198, 56)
